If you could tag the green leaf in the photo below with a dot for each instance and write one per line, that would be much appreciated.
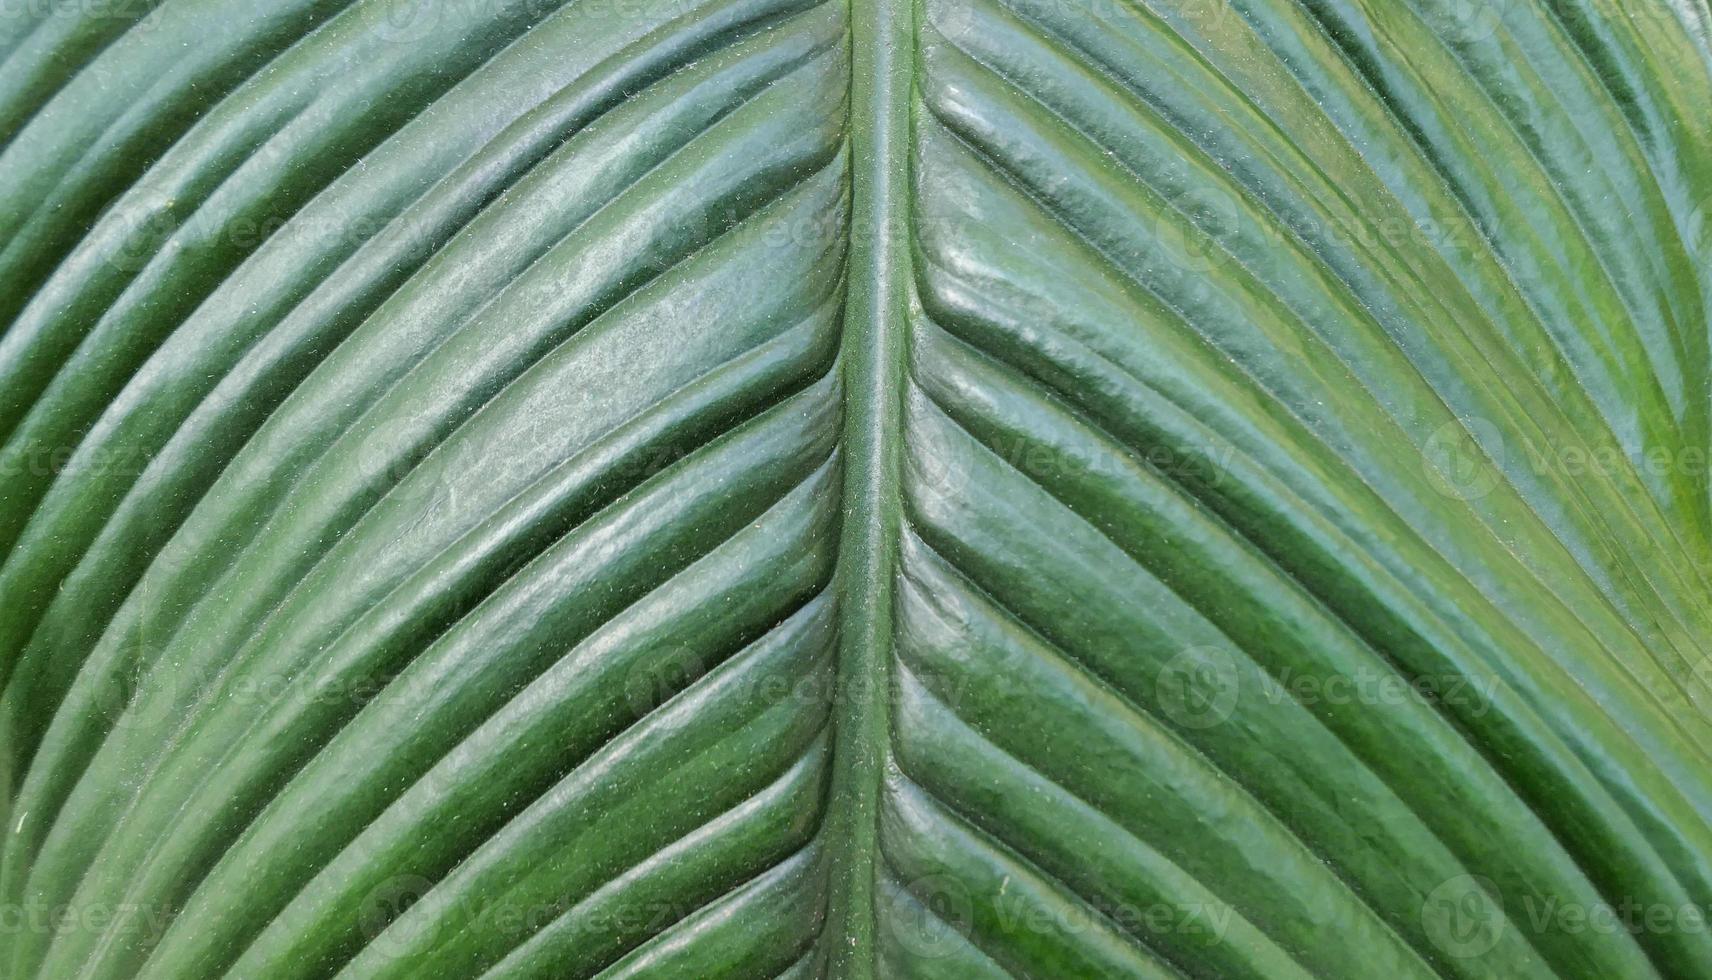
(778, 488)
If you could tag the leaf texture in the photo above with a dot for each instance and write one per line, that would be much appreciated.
(776, 488)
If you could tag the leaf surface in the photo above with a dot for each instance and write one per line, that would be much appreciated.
(964, 488)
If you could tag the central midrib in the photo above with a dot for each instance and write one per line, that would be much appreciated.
(872, 362)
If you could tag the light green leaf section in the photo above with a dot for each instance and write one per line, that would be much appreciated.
(898, 489)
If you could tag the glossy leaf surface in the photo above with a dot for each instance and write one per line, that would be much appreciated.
(774, 488)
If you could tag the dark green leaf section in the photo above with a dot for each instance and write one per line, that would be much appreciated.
(776, 488)
(1248, 596)
(439, 551)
